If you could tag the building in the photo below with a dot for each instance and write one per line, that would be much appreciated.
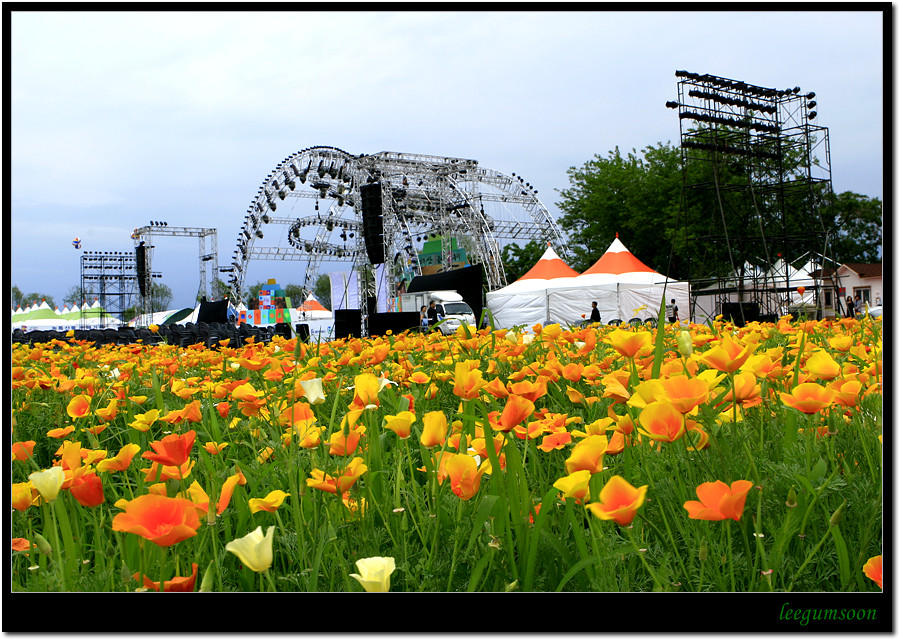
(849, 280)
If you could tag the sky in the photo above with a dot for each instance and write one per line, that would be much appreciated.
(119, 118)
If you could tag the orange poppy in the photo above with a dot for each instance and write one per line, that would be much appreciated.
(159, 519)
(575, 485)
(61, 432)
(727, 356)
(628, 343)
(345, 445)
(808, 397)
(467, 382)
(718, 501)
(685, 393)
(173, 450)
(23, 450)
(337, 484)
(661, 421)
(121, 460)
(465, 474)
(365, 391)
(79, 406)
(88, 490)
(228, 490)
(872, 569)
(821, 366)
(515, 411)
(619, 501)
(587, 455)
(434, 429)
(401, 424)
(176, 584)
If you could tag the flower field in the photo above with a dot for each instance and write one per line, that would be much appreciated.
(615, 459)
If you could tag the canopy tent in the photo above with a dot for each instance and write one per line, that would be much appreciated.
(622, 286)
(43, 317)
(525, 301)
(310, 309)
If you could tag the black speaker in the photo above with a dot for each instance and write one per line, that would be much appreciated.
(302, 332)
(373, 221)
(347, 323)
(140, 263)
(741, 312)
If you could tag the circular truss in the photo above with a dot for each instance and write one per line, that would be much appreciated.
(315, 196)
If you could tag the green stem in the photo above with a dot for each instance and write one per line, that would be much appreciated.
(656, 581)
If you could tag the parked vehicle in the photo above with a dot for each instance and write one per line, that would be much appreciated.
(452, 310)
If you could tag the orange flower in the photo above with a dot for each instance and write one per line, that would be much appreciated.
(173, 450)
(629, 343)
(21, 544)
(575, 485)
(821, 366)
(515, 411)
(662, 421)
(109, 411)
(161, 473)
(401, 424)
(556, 440)
(419, 378)
(214, 448)
(161, 520)
(619, 501)
(467, 382)
(530, 390)
(464, 474)
(144, 421)
(746, 389)
(61, 432)
(496, 388)
(299, 414)
(121, 460)
(808, 397)
(365, 391)
(685, 393)
(79, 406)
(270, 503)
(23, 450)
(727, 356)
(337, 484)
(23, 495)
(572, 371)
(88, 490)
(846, 391)
(434, 429)
(341, 445)
(228, 490)
(718, 501)
(872, 569)
(587, 455)
(176, 584)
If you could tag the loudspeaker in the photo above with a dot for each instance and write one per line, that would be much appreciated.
(373, 221)
(741, 312)
(140, 262)
(302, 332)
(347, 322)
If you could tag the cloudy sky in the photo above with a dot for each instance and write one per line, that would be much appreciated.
(119, 118)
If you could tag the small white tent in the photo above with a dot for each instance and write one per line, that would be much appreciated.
(623, 287)
(525, 301)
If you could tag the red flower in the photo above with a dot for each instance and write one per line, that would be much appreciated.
(173, 450)
(177, 583)
(88, 490)
(159, 519)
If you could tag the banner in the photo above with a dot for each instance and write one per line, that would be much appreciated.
(344, 290)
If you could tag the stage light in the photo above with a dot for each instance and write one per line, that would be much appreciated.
(812, 114)
(810, 95)
(265, 218)
(796, 89)
(811, 104)
(672, 105)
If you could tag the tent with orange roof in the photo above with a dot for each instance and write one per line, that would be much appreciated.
(525, 301)
(637, 290)
(310, 309)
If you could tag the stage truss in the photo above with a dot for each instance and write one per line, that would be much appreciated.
(314, 195)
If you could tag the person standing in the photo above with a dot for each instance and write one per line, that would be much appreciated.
(672, 311)
(857, 305)
(432, 314)
(850, 311)
(595, 312)
(423, 318)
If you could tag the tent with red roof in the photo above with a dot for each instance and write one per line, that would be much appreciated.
(311, 308)
(637, 290)
(524, 302)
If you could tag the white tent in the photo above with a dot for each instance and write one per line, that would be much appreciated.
(622, 286)
(525, 301)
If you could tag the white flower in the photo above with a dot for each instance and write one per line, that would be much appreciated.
(374, 573)
(313, 391)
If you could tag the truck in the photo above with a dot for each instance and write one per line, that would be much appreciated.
(451, 308)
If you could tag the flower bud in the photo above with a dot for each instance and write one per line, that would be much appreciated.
(42, 544)
(206, 586)
(838, 515)
(791, 499)
(685, 344)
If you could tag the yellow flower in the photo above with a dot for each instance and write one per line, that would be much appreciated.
(254, 549)
(144, 421)
(374, 573)
(48, 482)
(270, 503)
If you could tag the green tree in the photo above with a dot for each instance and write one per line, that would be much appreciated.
(161, 297)
(253, 292)
(322, 290)
(857, 222)
(18, 298)
(74, 296)
(518, 260)
(29, 298)
(296, 293)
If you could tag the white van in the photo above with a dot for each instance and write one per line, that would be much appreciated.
(451, 308)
